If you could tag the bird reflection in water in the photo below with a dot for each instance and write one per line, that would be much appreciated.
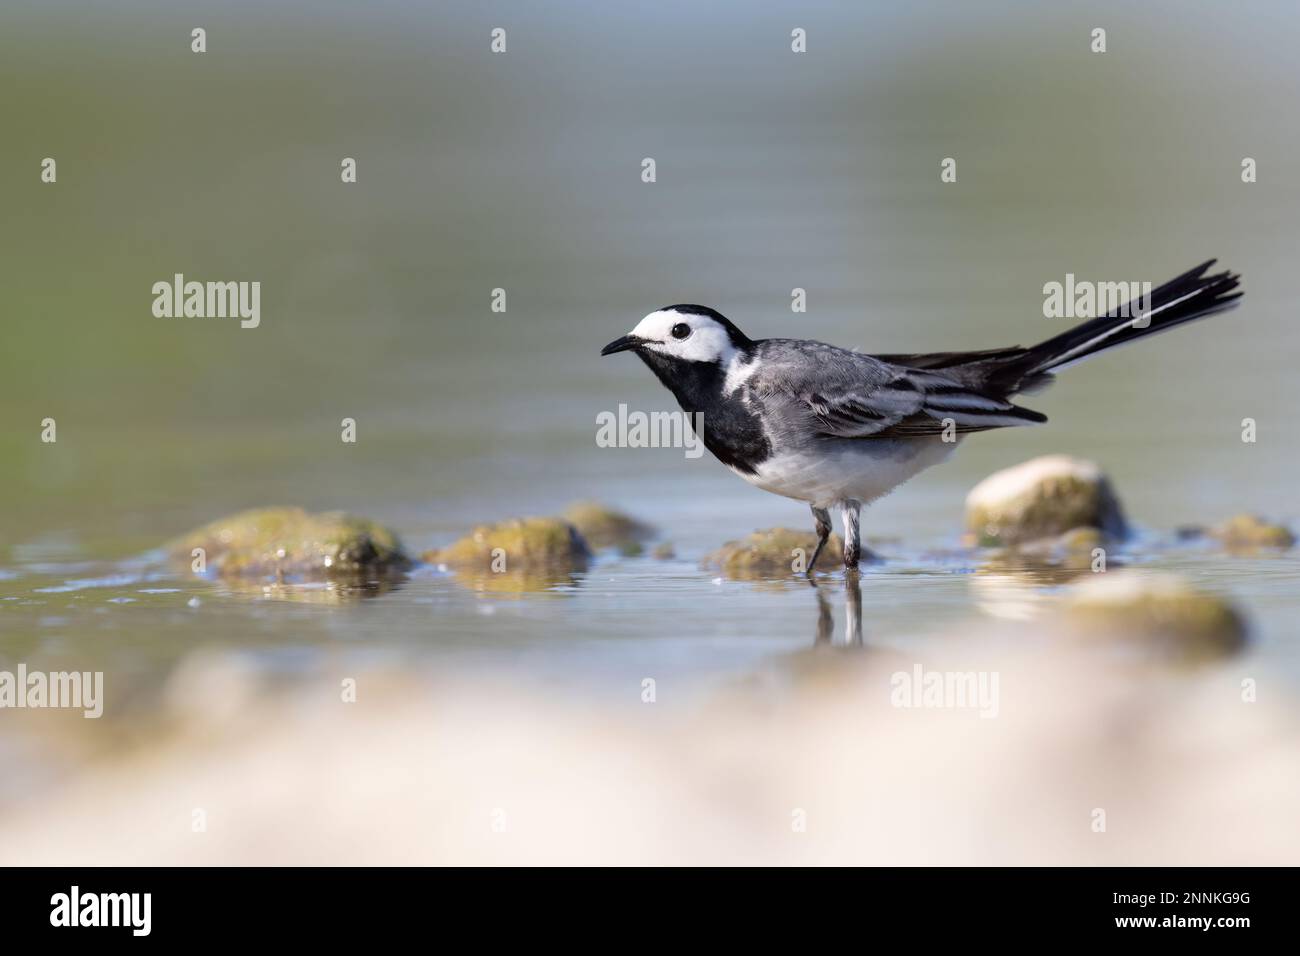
(852, 614)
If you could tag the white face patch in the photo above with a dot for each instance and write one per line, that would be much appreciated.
(707, 342)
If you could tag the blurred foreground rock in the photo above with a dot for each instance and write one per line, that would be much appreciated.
(1042, 498)
(293, 543)
(1156, 616)
(818, 758)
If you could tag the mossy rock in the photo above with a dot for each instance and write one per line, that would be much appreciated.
(772, 553)
(1159, 616)
(1247, 532)
(1072, 551)
(1043, 498)
(531, 549)
(295, 544)
(602, 527)
(1050, 561)
(664, 551)
(1073, 547)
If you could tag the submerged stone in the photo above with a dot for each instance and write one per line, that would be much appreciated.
(293, 543)
(1079, 549)
(1043, 498)
(1247, 532)
(1161, 616)
(603, 527)
(1049, 561)
(775, 552)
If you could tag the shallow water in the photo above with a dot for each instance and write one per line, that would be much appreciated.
(598, 635)
(522, 172)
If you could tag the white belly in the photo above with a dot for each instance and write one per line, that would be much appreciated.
(849, 470)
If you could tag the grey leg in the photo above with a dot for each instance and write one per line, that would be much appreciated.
(823, 519)
(852, 547)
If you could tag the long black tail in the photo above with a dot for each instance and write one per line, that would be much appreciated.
(1001, 373)
(1193, 295)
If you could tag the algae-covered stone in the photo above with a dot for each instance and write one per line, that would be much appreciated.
(1079, 549)
(1042, 498)
(1247, 532)
(293, 543)
(1159, 615)
(603, 527)
(532, 545)
(1080, 541)
(775, 552)
(664, 551)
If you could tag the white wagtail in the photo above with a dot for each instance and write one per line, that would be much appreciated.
(837, 428)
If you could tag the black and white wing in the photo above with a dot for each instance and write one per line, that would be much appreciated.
(850, 395)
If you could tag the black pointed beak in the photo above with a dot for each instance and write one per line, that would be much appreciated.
(621, 344)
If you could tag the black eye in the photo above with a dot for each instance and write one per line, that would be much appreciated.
(681, 330)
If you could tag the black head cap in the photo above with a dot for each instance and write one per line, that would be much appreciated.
(738, 338)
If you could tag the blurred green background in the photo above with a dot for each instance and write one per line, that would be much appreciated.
(521, 171)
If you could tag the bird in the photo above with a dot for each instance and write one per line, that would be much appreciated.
(837, 428)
